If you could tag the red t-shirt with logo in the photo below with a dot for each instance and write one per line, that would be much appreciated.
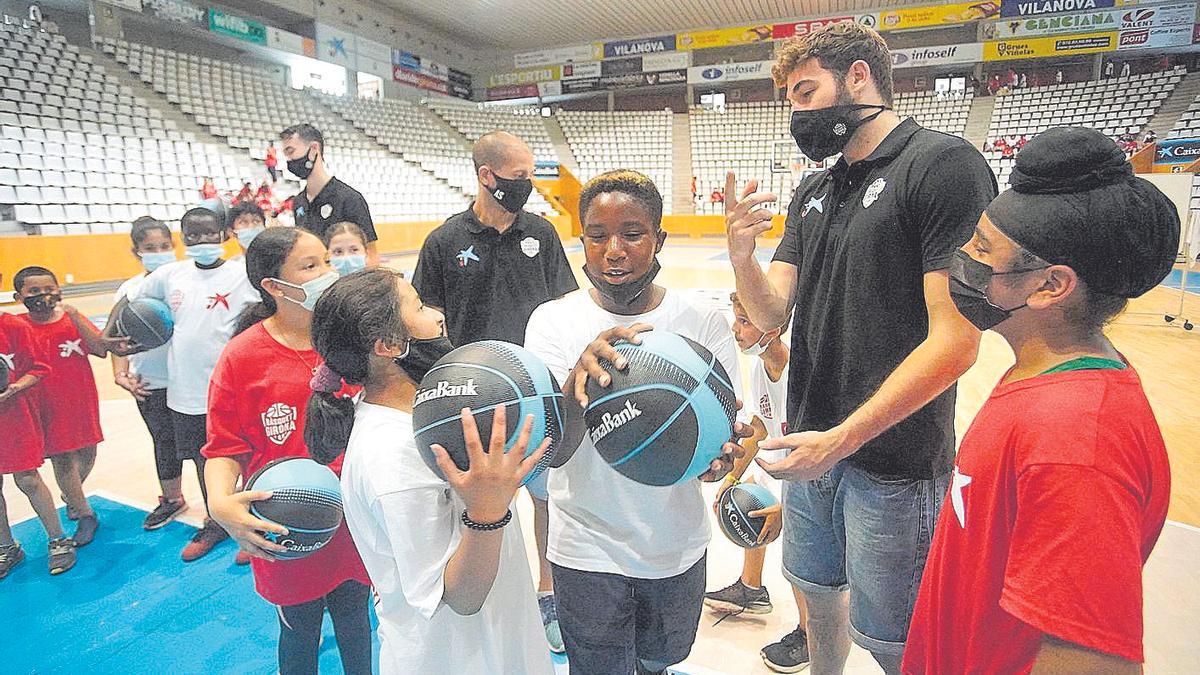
(68, 401)
(1059, 492)
(256, 402)
(21, 443)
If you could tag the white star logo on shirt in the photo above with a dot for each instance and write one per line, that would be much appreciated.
(961, 481)
(70, 347)
(817, 203)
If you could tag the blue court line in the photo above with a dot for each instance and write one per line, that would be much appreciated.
(1176, 276)
(763, 254)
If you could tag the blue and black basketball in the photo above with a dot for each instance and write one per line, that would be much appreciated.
(662, 420)
(736, 505)
(148, 322)
(484, 376)
(307, 500)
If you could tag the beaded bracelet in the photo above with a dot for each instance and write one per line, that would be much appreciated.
(486, 527)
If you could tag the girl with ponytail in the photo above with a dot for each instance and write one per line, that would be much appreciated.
(446, 557)
(256, 412)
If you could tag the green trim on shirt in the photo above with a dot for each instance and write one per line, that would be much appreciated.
(1087, 363)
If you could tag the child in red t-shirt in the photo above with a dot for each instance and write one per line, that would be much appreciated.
(1061, 485)
(69, 403)
(22, 445)
(257, 400)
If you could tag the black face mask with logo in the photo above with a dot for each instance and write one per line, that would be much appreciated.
(512, 193)
(825, 132)
(42, 303)
(302, 167)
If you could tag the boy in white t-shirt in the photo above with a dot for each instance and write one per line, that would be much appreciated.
(206, 295)
(628, 559)
(767, 406)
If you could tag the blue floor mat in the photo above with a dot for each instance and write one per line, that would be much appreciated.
(1176, 276)
(131, 606)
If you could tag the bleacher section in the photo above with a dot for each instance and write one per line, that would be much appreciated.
(602, 141)
(408, 130)
(943, 113)
(1114, 106)
(1188, 125)
(247, 107)
(475, 121)
(740, 140)
(80, 153)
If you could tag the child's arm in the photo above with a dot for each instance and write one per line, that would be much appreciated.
(126, 380)
(19, 387)
(97, 344)
(231, 509)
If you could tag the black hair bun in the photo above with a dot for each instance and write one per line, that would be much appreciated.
(1065, 160)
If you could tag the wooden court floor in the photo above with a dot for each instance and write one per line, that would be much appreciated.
(1167, 358)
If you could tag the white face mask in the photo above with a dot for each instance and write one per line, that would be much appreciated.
(313, 289)
(759, 348)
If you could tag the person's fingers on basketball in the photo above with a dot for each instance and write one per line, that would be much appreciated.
(248, 496)
(260, 525)
(517, 450)
(765, 511)
(256, 539)
(499, 434)
(638, 328)
(531, 461)
(471, 436)
(449, 469)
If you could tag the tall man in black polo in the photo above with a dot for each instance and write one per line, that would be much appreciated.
(325, 200)
(487, 269)
(877, 343)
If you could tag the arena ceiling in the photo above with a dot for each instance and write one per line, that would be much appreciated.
(517, 25)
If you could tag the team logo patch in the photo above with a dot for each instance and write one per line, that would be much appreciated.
(467, 255)
(764, 407)
(530, 246)
(69, 347)
(960, 482)
(839, 129)
(873, 192)
(218, 299)
(817, 203)
(279, 422)
(176, 300)
(326, 210)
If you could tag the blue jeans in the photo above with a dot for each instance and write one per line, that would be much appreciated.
(866, 533)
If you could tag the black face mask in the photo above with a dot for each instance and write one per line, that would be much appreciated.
(627, 293)
(302, 167)
(969, 280)
(825, 132)
(512, 193)
(421, 355)
(42, 303)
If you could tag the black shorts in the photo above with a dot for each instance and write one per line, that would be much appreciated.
(610, 621)
(190, 434)
(161, 425)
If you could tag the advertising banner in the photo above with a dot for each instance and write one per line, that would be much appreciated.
(579, 86)
(730, 72)
(620, 67)
(1125, 18)
(551, 57)
(937, 15)
(418, 80)
(783, 31)
(512, 91)
(1151, 38)
(634, 80)
(581, 71)
(1036, 7)
(373, 57)
(237, 27)
(335, 45)
(920, 57)
(179, 11)
(291, 43)
(1177, 151)
(521, 77)
(653, 63)
(724, 37)
(651, 45)
(550, 88)
(1029, 48)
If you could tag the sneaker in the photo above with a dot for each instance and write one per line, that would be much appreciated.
(164, 513)
(738, 598)
(205, 539)
(10, 557)
(550, 622)
(85, 531)
(62, 555)
(242, 558)
(789, 655)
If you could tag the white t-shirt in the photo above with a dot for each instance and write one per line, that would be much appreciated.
(205, 305)
(767, 400)
(151, 365)
(405, 522)
(601, 521)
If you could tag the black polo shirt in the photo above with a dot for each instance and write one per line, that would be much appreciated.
(335, 203)
(489, 283)
(861, 237)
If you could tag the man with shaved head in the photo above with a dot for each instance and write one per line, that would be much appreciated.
(487, 269)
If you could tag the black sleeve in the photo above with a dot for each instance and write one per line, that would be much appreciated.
(427, 277)
(560, 279)
(788, 250)
(947, 202)
(359, 213)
